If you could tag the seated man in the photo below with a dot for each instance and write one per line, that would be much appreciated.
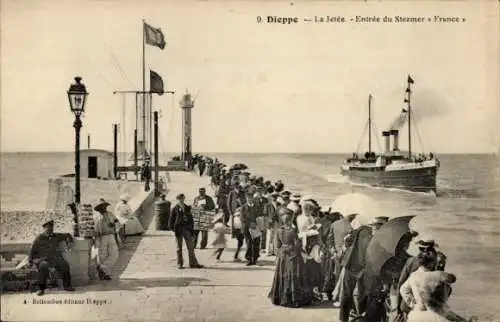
(46, 252)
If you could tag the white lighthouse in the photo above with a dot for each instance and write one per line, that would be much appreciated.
(186, 105)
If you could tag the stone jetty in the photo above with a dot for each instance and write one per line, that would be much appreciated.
(147, 286)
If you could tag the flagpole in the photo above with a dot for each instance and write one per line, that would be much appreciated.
(143, 90)
(409, 116)
(151, 123)
(370, 123)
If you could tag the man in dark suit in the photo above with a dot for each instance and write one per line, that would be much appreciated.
(181, 222)
(146, 174)
(46, 253)
(249, 214)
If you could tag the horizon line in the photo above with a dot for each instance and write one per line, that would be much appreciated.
(241, 152)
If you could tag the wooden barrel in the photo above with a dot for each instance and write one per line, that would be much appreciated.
(162, 213)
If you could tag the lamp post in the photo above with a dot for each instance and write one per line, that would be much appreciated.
(77, 95)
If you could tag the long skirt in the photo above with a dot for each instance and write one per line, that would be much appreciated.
(133, 227)
(314, 273)
(328, 264)
(290, 287)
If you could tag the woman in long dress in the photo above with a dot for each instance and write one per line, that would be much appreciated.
(308, 232)
(124, 214)
(289, 286)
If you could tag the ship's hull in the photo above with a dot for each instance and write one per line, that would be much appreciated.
(419, 178)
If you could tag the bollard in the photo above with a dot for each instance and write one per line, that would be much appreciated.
(162, 212)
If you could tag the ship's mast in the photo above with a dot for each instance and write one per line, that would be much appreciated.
(408, 102)
(370, 123)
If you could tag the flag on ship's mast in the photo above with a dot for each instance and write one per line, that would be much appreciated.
(410, 80)
(155, 83)
(154, 36)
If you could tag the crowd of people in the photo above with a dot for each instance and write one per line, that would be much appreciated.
(321, 254)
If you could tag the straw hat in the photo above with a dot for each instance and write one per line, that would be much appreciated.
(125, 197)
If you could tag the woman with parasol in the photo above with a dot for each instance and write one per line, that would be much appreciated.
(385, 258)
(363, 209)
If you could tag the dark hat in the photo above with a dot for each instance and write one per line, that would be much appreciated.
(424, 244)
(180, 196)
(286, 193)
(274, 194)
(48, 223)
(101, 208)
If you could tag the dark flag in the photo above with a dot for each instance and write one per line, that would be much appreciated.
(410, 80)
(154, 36)
(404, 110)
(155, 83)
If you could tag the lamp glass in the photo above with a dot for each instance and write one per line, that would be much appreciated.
(77, 102)
(77, 95)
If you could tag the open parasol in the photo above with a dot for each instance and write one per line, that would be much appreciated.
(383, 244)
(239, 166)
(363, 205)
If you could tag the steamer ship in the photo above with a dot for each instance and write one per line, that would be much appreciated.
(394, 168)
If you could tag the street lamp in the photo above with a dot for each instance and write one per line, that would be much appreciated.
(77, 95)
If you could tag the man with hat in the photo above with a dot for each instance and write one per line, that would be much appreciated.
(285, 196)
(45, 253)
(181, 222)
(261, 200)
(146, 174)
(271, 212)
(340, 230)
(426, 247)
(249, 214)
(205, 203)
(104, 238)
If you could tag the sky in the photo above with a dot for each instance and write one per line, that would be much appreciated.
(259, 87)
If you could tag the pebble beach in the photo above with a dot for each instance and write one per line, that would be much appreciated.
(22, 221)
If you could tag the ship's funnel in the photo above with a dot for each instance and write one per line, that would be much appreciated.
(395, 142)
(387, 138)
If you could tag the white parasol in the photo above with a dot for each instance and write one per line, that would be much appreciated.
(363, 205)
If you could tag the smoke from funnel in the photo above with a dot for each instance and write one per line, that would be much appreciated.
(425, 104)
(399, 121)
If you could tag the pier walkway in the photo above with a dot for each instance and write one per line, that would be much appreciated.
(148, 286)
